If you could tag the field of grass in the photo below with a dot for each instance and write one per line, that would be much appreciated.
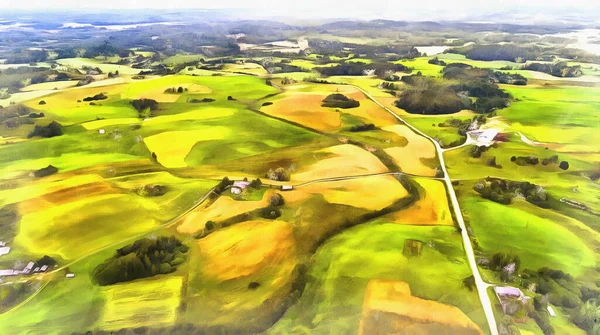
(558, 115)
(347, 192)
(540, 237)
(228, 260)
(338, 276)
(429, 125)
(342, 160)
(78, 63)
(160, 296)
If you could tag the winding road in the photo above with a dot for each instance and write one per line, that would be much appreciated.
(480, 284)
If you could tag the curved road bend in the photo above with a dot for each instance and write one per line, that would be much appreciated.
(481, 285)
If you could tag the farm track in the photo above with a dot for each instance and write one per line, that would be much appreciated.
(480, 284)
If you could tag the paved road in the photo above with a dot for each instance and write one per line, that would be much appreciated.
(481, 285)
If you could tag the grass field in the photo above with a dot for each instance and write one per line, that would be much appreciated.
(228, 261)
(540, 237)
(341, 160)
(360, 193)
(160, 297)
(333, 298)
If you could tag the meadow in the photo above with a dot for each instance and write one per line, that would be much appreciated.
(540, 237)
(341, 268)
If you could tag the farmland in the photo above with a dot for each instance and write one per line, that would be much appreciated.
(260, 177)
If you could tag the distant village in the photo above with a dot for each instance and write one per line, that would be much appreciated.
(31, 267)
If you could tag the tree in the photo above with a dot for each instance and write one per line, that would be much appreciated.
(180, 89)
(210, 225)
(276, 200)
(564, 165)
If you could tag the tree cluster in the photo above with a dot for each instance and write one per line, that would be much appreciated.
(145, 257)
(507, 52)
(381, 70)
(145, 107)
(43, 172)
(99, 96)
(279, 174)
(338, 100)
(51, 130)
(560, 69)
(363, 127)
(503, 191)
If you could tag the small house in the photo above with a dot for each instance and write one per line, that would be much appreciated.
(36, 269)
(2, 244)
(101, 131)
(44, 268)
(70, 275)
(287, 187)
(4, 250)
(506, 293)
(28, 268)
(9, 272)
(239, 186)
(551, 311)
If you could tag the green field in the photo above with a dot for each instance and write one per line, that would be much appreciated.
(540, 237)
(341, 268)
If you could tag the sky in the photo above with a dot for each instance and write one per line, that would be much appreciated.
(421, 10)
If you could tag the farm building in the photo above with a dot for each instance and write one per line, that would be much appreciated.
(9, 272)
(28, 268)
(239, 186)
(4, 250)
(508, 294)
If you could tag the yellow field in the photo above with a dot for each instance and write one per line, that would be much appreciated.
(148, 303)
(222, 209)
(158, 92)
(361, 193)
(346, 160)
(200, 114)
(171, 147)
(389, 308)
(251, 68)
(25, 96)
(56, 224)
(56, 187)
(431, 209)
(409, 156)
(305, 109)
(52, 85)
(246, 248)
(109, 122)
(78, 63)
(302, 104)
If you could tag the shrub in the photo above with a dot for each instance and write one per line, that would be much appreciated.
(270, 212)
(276, 200)
(51, 130)
(564, 165)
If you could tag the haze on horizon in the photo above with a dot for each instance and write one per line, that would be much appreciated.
(425, 10)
